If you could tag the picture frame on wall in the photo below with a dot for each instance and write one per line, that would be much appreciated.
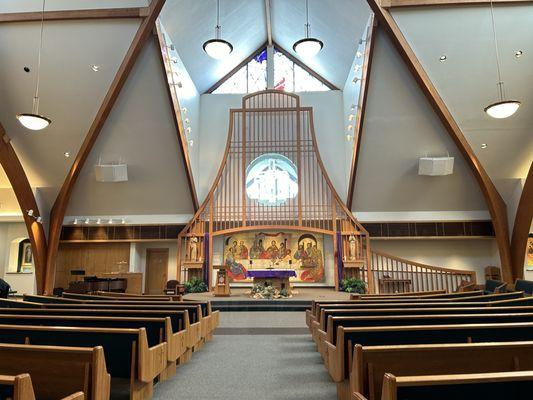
(27, 257)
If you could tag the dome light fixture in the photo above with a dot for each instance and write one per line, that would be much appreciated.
(217, 48)
(308, 46)
(34, 121)
(503, 108)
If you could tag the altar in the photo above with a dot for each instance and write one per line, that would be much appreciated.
(278, 278)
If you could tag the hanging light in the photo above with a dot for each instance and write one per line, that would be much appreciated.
(503, 108)
(217, 48)
(33, 120)
(308, 46)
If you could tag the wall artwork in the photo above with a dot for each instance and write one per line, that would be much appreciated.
(530, 252)
(300, 251)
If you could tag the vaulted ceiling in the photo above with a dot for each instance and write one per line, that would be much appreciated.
(400, 125)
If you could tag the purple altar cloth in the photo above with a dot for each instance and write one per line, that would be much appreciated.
(274, 273)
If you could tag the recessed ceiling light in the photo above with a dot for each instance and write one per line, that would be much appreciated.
(351, 117)
(26, 69)
(349, 127)
(352, 107)
(443, 58)
(355, 80)
(483, 145)
(357, 67)
(95, 68)
(518, 53)
(191, 143)
(187, 121)
(349, 137)
(66, 154)
(188, 130)
(174, 60)
(184, 110)
(87, 221)
(358, 54)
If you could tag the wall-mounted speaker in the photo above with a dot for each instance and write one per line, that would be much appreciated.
(111, 172)
(435, 166)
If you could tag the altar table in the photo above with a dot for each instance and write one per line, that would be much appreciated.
(278, 278)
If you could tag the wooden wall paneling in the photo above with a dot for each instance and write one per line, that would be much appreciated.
(361, 107)
(26, 200)
(522, 224)
(62, 200)
(495, 203)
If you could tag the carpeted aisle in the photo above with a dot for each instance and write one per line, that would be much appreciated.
(252, 367)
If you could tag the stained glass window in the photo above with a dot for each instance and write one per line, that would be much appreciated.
(252, 77)
(288, 76)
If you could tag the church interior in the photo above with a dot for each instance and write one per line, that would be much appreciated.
(269, 199)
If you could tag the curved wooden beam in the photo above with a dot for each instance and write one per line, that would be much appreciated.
(61, 203)
(361, 107)
(522, 224)
(176, 113)
(26, 199)
(69, 15)
(495, 203)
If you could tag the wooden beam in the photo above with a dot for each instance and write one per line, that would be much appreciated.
(427, 3)
(495, 203)
(65, 15)
(268, 22)
(26, 199)
(62, 200)
(361, 107)
(176, 113)
(522, 224)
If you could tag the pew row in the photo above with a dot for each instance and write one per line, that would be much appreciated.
(127, 352)
(398, 320)
(20, 387)
(371, 363)
(497, 385)
(338, 356)
(57, 372)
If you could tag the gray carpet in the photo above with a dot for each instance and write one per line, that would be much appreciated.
(251, 367)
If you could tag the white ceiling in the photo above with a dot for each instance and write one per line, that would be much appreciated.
(140, 131)
(400, 127)
(467, 80)
(339, 24)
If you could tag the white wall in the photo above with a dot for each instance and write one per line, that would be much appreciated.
(470, 254)
(328, 119)
(22, 283)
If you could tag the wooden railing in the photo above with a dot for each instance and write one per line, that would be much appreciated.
(394, 274)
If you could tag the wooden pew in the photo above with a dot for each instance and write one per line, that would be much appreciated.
(127, 353)
(17, 387)
(57, 372)
(176, 334)
(158, 330)
(339, 355)
(418, 295)
(497, 385)
(370, 363)
(172, 297)
(400, 320)
(194, 335)
(411, 294)
(208, 319)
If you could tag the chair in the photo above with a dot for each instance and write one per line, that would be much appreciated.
(172, 287)
(525, 286)
(4, 289)
(492, 286)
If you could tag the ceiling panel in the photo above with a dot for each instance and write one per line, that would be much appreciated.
(140, 131)
(400, 127)
(467, 79)
(191, 22)
(70, 92)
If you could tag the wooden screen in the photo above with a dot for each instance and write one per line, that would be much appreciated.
(274, 122)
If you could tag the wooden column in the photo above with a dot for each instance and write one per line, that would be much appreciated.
(62, 200)
(495, 203)
(26, 199)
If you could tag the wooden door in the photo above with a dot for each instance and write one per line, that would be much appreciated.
(156, 270)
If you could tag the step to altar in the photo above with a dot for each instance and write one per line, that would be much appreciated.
(261, 305)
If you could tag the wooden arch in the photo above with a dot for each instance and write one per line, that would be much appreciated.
(272, 121)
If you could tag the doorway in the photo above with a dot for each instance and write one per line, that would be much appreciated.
(156, 270)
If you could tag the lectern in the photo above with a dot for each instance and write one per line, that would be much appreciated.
(222, 282)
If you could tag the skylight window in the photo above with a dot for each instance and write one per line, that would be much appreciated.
(289, 76)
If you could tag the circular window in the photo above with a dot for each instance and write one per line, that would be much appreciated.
(271, 179)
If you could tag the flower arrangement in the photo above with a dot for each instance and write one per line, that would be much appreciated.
(353, 285)
(268, 292)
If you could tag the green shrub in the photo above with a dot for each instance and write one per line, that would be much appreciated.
(195, 285)
(353, 285)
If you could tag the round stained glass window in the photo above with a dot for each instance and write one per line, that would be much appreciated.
(271, 179)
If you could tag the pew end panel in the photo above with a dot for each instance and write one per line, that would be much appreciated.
(20, 386)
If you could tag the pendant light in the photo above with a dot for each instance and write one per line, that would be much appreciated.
(217, 48)
(308, 46)
(33, 120)
(503, 108)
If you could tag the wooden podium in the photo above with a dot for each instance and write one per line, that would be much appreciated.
(222, 282)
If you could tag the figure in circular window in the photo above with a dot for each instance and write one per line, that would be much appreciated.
(271, 179)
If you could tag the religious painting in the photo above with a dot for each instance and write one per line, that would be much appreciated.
(302, 252)
(530, 251)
